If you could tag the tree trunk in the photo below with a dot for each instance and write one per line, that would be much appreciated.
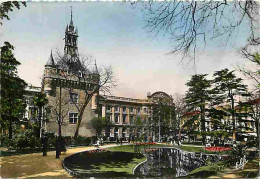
(202, 120)
(81, 112)
(10, 130)
(40, 122)
(59, 124)
(77, 127)
(233, 117)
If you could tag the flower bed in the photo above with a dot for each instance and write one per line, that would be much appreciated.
(91, 153)
(146, 143)
(218, 149)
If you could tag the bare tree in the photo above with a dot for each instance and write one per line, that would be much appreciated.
(59, 108)
(191, 24)
(83, 70)
(179, 102)
(251, 53)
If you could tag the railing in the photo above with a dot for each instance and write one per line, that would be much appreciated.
(241, 163)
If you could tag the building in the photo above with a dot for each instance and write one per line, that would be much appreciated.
(124, 114)
(64, 84)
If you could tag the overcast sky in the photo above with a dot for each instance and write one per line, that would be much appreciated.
(115, 34)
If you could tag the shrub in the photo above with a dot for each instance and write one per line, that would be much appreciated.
(5, 141)
(84, 141)
(24, 139)
(51, 140)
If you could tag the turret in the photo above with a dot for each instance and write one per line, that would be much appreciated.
(50, 62)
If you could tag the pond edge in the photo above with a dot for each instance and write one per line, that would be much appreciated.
(139, 165)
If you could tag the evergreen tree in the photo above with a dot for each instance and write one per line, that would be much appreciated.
(40, 100)
(12, 89)
(198, 96)
(226, 86)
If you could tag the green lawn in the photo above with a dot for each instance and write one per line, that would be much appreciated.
(207, 170)
(117, 168)
(130, 148)
(192, 149)
(119, 161)
(250, 170)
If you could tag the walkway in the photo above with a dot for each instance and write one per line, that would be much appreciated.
(250, 171)
(36, 166)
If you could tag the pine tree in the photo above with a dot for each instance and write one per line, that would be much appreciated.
(198, 96)
(40, 100)
(12, 89)
(226, 87)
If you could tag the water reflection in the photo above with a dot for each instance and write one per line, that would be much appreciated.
(172, 162)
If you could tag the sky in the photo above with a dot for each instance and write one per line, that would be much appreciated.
(115, 34)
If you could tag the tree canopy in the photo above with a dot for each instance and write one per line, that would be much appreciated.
(12, 88)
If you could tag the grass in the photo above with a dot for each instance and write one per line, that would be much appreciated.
(250, 170)
(104, 164)
(207, 170)
(192, 149)
(130, 148)
(119, 161)
(4, 153)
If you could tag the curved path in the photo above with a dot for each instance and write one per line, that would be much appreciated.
(36, 166)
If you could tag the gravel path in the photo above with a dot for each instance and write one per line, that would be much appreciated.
(36, 166)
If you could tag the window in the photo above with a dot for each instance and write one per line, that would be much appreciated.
(138, 110)
(116, 118)
(108, 108)
(73, 118)
(132, 110)
(131, 119)
(116, 108)
(116, 132)
(145, 110)
(109, 116)
(123, 132)
(124, 118)
(124, 109)
(74, 97)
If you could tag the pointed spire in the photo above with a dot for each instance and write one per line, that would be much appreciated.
(71, 22)
(50, 61)
(95, 68)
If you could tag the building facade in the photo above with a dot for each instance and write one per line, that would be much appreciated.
(136, 117)
(66, 94)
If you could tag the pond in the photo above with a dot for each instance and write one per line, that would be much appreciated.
(166, 162)
(171, 162)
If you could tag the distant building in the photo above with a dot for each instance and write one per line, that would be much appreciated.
(31, 111)
(124, 112)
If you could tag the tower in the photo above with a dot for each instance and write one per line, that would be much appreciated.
(71, 40)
